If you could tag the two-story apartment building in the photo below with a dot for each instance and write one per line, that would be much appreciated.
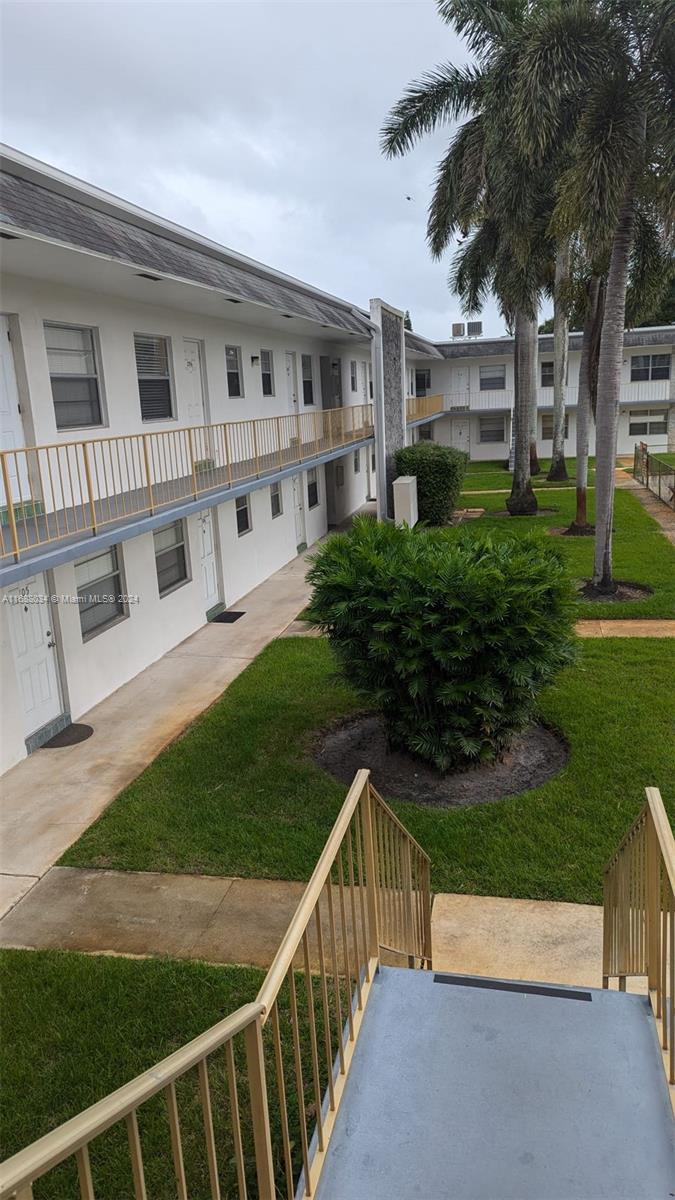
(475, 378)
(178, 421)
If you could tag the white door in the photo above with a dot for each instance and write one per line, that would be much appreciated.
(11, 426)
(459, 385)
(460, 433)
(34, 645)
(365, 399)
(299, 507)
(208, 560)
(291, 381)
(194, 381)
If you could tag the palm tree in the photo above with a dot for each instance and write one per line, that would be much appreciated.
(586, 396)
(486, 188)
(561, 333)
(611, 61)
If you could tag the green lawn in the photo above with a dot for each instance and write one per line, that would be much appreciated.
(641, 551)
(484, 476)
(75, 1027)
(239, 795)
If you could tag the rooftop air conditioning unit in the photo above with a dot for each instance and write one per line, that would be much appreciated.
(475, 329)
(458, 329)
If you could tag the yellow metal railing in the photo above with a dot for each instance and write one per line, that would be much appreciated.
(56, 491)
(265, 1111)
(639, 915)
(418, 407)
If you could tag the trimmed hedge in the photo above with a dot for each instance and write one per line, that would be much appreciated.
(439, 471)
(450, 635)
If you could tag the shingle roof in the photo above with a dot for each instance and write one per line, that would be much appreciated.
(421, 345)
(486, 348)
(30, 207)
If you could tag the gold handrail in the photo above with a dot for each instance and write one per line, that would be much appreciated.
(418, 407)
(639, 915)
(61, 489)
(367, 891)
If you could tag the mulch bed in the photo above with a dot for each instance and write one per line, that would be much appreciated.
(535, 756)
(541, 512)
(625, 590)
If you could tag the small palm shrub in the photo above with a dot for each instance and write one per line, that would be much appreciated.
(450, 635)
(439, 471)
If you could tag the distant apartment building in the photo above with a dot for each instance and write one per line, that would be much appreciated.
(179, 421)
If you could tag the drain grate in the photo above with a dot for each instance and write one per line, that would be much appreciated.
(500, 985)
(228, 618)
(70, 736)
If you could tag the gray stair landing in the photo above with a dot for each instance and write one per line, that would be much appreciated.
(472, 1093)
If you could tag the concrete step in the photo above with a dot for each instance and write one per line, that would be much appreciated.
(476, 1088)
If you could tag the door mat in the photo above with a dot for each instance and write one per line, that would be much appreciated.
(70, 736)
(228, 618)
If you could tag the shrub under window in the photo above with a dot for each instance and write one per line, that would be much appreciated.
(451, 635)
(440, 473)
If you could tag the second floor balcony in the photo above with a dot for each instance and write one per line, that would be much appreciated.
(656, 391)
(65, 491)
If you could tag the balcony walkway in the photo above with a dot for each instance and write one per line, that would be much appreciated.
(477, 1092)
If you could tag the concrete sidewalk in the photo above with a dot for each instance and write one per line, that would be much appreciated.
(225, 920)
(52, 796)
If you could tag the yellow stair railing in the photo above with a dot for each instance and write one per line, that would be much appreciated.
(418, 407)
(639, 916)
(284, 1084)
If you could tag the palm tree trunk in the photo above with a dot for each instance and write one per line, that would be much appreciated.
(586, 373)
(609, 384)
(522, 502)
(561, 329)
(535, 468)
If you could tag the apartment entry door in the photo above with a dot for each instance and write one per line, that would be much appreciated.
(299, 509)
(209, 560)
(195, 388)
(11, 425)
(31, 630)
(291, 381)
(460, 433)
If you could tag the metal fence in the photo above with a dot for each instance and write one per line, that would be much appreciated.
(655, 473)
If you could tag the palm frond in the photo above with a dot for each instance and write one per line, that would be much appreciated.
(439, 96)
(482, 24)
(472, 272)
(651, 268)
(460, 181)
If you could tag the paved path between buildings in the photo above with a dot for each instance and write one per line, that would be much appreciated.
(52, 796)
(243, 920)
(657, 628)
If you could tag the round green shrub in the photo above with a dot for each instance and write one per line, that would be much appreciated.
(449, 634)
(439, 471)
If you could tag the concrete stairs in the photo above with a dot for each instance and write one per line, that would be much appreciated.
(476, 1089)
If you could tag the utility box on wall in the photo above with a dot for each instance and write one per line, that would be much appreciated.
(405, 500)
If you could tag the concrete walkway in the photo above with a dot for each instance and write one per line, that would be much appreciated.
(227, 920)
(662, 514)
(656, 628)
(52, 796)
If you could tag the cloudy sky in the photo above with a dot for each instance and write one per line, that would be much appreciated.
(255, 124)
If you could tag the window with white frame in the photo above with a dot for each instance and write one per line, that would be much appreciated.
(235, 375)
(491, 429)
(547, 373)
(100, 593)
(312, 488)
(353, 377)
(242, 507)
(276, 503)
(646, 421)
(425, 433)
(422, 381)
(73, 370)
(547, 427)
(339, 475)
(267, 372)
(492, 378)
(357, 462)
(154, 376)
(649, 366)
(170, 556)
(307, 379)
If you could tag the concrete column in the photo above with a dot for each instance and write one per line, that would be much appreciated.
(670, 427)
(388, 398)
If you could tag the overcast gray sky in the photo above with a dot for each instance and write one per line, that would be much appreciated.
(253, 123)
